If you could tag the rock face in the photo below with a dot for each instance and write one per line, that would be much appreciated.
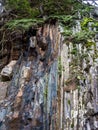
(10, 51)
(79, 99)
(3, 90)
(52, 88)
(31, 101)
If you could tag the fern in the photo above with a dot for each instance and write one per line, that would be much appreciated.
(23, 23)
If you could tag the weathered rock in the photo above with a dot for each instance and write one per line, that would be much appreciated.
(95, 12)
(3, 90)
(33, 102)
(6, 72)
(27, 73)
(33, 42)
(42, 38)
(32, 94)
(71, 85)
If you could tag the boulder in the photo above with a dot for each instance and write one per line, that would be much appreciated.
(7, 71)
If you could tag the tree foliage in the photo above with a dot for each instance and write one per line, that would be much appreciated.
(43, 7)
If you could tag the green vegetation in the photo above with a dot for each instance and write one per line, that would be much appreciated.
(72, 125)
(82, 36)
(65, 11)
(74, 51)
(69, 102)
(84, 23)
(46, 92)
(59, 67)
(49, 7)
(23, 23)
(22, 8)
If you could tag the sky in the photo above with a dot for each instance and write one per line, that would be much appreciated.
(91, 1)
